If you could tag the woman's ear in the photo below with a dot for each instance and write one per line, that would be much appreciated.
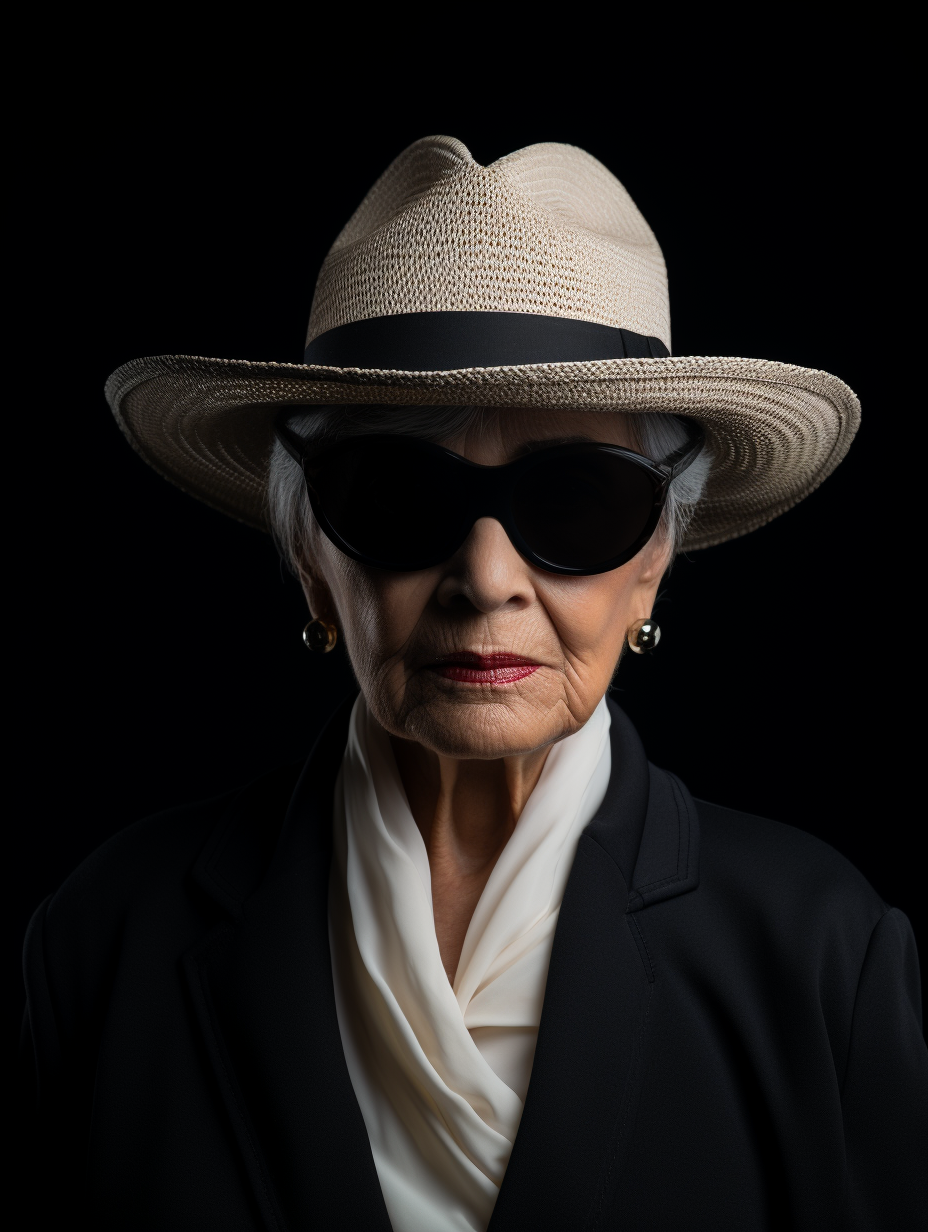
(315, 588)
(318, 596)
(655, 559)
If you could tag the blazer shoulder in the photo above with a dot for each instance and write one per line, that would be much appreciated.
(154, 856)
(157, 848)
(783, 867)
(133, 903)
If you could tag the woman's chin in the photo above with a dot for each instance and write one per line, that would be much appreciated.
(484, 722)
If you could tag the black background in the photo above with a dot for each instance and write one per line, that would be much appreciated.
(182, 202)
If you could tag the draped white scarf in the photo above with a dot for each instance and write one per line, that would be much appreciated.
(440, 1072)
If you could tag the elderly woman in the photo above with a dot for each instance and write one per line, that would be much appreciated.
(477, 963)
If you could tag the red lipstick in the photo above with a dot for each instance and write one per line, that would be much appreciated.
(495, 669)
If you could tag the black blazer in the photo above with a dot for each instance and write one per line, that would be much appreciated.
(730, 1036)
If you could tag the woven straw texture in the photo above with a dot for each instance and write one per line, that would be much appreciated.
(547, 230)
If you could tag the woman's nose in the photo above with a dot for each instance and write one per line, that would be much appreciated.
(486, 572)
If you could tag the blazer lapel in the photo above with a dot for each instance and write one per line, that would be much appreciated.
(583, 1093)
(261, 985)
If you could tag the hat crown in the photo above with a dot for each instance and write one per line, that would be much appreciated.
(547, 230)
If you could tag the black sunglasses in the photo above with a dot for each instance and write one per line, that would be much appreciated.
(399, 503)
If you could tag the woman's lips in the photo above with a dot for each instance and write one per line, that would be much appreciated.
(495, 669)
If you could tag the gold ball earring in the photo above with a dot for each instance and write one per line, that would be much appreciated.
(320, 637)
(644, 635)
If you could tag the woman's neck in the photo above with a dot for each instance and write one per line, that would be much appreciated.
(466, 812)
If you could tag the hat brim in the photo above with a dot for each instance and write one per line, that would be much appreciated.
(776, 431)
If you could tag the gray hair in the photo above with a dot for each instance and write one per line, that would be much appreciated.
(655, 436)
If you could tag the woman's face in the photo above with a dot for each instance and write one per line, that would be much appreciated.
(420, 643)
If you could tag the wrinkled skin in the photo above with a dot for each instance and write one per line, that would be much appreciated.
(470, 754)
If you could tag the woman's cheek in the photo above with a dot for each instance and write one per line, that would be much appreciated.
(590, 616)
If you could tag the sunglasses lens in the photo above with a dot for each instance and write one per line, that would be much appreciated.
(400, 504)
(580, 512)
(389, 504)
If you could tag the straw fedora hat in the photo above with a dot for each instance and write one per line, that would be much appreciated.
(534, 281)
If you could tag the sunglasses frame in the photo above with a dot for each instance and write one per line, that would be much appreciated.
(490, 495)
